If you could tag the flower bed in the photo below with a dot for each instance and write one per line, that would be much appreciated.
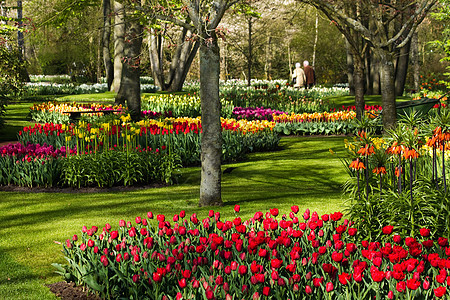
(181, 135)
(269, 256)
(187, 105)
(47, 88)
(44, 166)
(255, 113)
(53, 112)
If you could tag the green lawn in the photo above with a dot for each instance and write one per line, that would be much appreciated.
(340, 101)
(302, 172)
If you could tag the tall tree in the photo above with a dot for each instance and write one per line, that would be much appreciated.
(383, 36)
(205, 17)
(119, 44)
(130, 86)
(106, 37)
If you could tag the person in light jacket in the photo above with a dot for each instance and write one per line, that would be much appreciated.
(299, 77)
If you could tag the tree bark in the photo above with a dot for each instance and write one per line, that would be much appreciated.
(250, 52)
(415, 61)
(180, 64)
(211, 140)
(358, 76)
(375, 74)
(156, 58)
(106, 36)
(119, 35)
(387, 79)
(350, 69)
(130, 86)
(401, 69)
(268, 62)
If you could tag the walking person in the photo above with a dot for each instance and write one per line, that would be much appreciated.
(310, 75)
(298, 77)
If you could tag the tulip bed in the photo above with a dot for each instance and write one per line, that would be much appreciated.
(268, 256)
(182, 135)
(44, 166)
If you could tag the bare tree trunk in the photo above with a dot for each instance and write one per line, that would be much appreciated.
(387, 77)
(402, 69)
(250, 53)
(315, 39)
(106, 37)
(350, 68)
(156, 62)
(119, 34)
(21, 43)
(358, 76)
(130, 86)
(367, 65)
(268, 64)
(375, 73)
(415, 60)
(211, 140)
(99, 58)
(290, 60)
(181, 62)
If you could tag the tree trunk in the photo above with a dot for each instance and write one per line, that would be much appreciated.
(250, 52)
(316, 37)
(350, 69)
(268, 63)
(402, 69)
(130, 86)
(415, 61)
(106, 36)
(358, 76)
(387, 79)
(181, 62)
(119, 34)
(156, 59)
(375, 74)
(21, 43)
(211, 140)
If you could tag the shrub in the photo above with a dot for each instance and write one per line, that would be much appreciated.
(401, 179)
(268, 256)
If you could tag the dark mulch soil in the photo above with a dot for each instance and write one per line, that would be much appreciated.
(14, 188)
(68, 291)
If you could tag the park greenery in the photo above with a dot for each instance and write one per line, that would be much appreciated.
(159, 149)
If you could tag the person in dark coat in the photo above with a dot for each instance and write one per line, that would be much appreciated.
(310, 75)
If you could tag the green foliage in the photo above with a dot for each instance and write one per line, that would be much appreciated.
(313, 128)
(110, 168)
(10, 82)
(443, 16)
(35, 172)
(401, 183)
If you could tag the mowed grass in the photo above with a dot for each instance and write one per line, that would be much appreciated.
(302, 172)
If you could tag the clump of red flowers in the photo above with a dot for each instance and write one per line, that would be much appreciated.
(271, 256)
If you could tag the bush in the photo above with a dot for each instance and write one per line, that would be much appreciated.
(273, 257)
(401, 179)
(11, 69)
